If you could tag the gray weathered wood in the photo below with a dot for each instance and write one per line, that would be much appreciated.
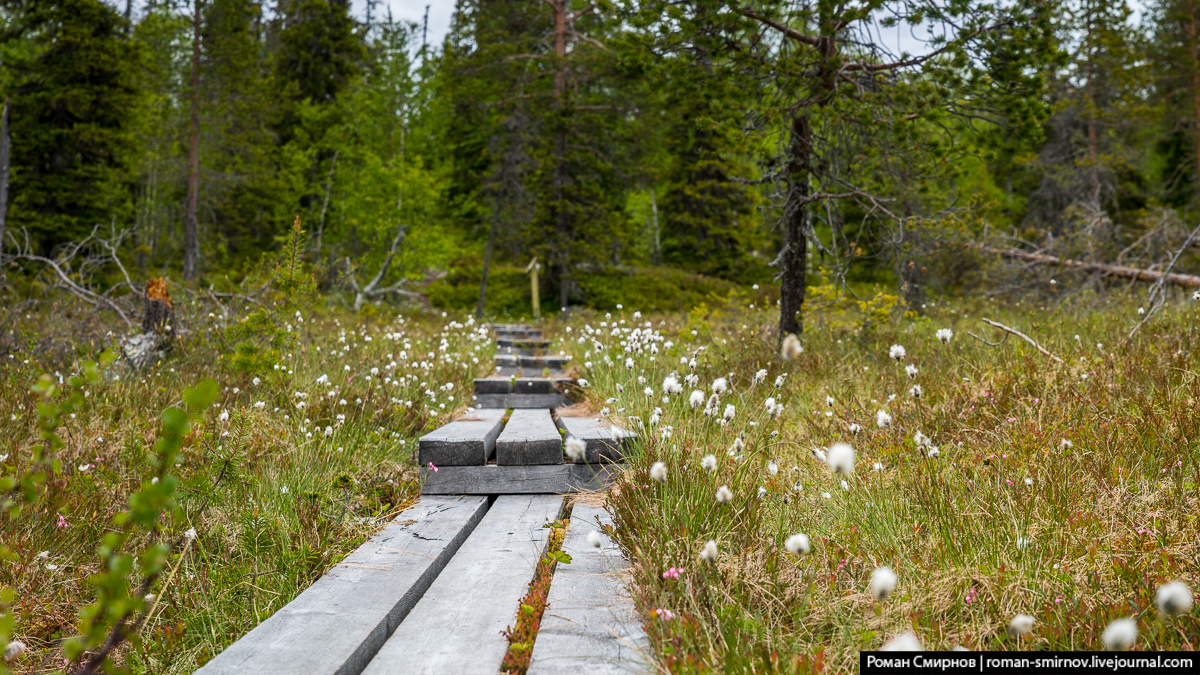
(530, 437)
(519, 343)
(535, 362)
(337, 625)
(469, 440)
(508, 480)
(521, 385)
(605, 442)
(521, 401)
(455, 628)
(590, 624)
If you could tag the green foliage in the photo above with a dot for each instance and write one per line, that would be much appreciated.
(72, 92)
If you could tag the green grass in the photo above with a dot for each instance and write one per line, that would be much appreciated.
(1105, 520)
(1101, 525)
(275, 500)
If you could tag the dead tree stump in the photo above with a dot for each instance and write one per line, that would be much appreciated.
(159, 311)
(158, 329)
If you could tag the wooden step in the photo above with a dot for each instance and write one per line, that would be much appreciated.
(512, 480)
(521, 385)
(455, 628)
(590, 624)
(530, 437)
(471, 439)
(522, 401)
(340, 622)
(536, 362)
(522, 343)
(605, 442)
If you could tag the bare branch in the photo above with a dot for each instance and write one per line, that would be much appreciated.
(1022, 336)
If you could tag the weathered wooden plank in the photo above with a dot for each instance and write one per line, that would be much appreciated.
(455, 628)
(508, 480)
(520, 385)
(338, 624)
(539, 361)
(493, 385)
(521, 401)
(605, 442)
(530, 437)
(590, 624)
(469, 440)
(521, 343)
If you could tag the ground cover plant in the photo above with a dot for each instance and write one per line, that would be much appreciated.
(284, 472)
(1017, 502)
(990, 497)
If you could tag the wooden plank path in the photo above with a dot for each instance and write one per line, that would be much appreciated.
(432, 592)
(590, 624)
(456, 627)
(604, 442)
(492, 479)
(470, 440)
(530, 437)
(338, 624)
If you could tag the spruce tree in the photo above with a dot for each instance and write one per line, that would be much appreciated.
(72, 95)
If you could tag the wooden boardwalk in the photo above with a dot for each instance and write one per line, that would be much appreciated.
(432, 592)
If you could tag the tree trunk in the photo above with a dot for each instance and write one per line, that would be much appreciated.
(5, 147)
(1194, 34)
(1120, 271)
(487, 261)
(793, 257)
(654, 220)
(160, 312)
(191, 241)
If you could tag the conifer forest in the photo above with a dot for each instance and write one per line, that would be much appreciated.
(896, 303)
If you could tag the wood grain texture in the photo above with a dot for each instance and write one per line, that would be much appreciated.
(336, 626)
(530, 437)
(470, 440)
(505, 480)
(590, 624)
(521, 401)
(455, 628)
(605, 442)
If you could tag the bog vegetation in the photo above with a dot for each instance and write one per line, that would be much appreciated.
(769, 232)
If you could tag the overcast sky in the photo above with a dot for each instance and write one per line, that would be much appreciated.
(414, 10)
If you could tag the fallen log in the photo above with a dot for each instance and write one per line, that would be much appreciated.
(1134, 273)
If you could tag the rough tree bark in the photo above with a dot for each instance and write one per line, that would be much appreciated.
(793, 257)
(191, 241)
(5, 147)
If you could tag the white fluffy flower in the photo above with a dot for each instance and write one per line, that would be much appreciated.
(13, 649)
(840, 458)
(897, 352)
(1120, 635)
(854, 428)
(904, 642)
(724, 495)
(584, 383)
(921, 439)
(1174, 598)
(883, 582)
(911, 370)
(720, 386)
(1020, 626)
(260, 405)
(760, 376)
(696, 399)
(945, 335)
(797, 544)
(772, 468)
(709, 552)
(883, 419)
(916, 391)
(658, 472)
(224, 417)
(671, 385)
(791, 347)
(779, 380)
(730, 411)
(593, 538)
(709, 463)
(649, 391)
(576, 449)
